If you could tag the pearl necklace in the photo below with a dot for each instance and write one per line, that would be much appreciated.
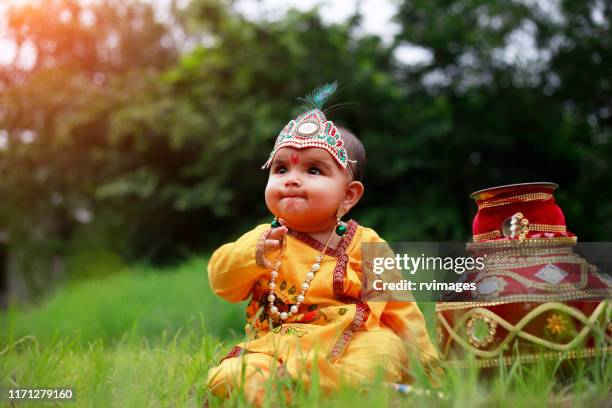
(305, 285)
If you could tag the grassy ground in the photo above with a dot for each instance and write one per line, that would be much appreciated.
(147, 338)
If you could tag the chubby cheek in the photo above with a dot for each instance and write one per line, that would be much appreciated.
(271, 195)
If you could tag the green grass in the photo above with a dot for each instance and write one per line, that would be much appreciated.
(143, 300)
(148, 337)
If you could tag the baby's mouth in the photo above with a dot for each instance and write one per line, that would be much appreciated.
(292, 195)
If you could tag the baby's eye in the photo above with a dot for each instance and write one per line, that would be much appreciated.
(314, 170)
(280, 170)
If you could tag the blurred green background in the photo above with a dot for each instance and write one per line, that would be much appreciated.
(130, 136)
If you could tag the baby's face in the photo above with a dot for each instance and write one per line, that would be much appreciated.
(305, 188)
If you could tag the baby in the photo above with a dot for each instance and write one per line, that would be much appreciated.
(304, 277)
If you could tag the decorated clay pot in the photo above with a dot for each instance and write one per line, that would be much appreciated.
(535, 298)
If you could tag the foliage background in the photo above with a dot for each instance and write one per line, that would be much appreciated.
(135, 138)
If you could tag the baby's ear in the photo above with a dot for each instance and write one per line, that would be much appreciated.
(352, 194)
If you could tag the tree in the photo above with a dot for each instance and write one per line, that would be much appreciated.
(523, 95)
(55, 113)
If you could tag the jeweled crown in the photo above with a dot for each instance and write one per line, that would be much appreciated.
(312, 129)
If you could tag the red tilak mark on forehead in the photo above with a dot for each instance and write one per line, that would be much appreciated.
(294, 158)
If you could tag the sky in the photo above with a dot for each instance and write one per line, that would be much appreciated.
(377, 14)
(377, 19)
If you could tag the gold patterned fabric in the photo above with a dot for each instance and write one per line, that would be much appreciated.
(549, 330)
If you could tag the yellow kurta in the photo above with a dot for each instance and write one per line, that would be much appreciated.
(345, 339)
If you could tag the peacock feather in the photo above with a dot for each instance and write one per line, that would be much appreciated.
(317, 98)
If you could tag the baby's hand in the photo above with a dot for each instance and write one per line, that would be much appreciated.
(274, 239)
(270, 242)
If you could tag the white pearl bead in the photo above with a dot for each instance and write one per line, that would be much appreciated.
(305, 286)
(316, 267)
(271, 298)
(272, 285)
(294, 309)
(274, 310)
(283, 316)
(274, 274)
(310, 276)
(300, 298)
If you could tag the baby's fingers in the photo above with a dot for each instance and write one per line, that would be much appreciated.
(271, 244)
(277, 233)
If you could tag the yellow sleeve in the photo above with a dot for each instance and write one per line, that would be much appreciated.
(232, 270)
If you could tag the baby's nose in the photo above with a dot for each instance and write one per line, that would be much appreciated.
(293, 180)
